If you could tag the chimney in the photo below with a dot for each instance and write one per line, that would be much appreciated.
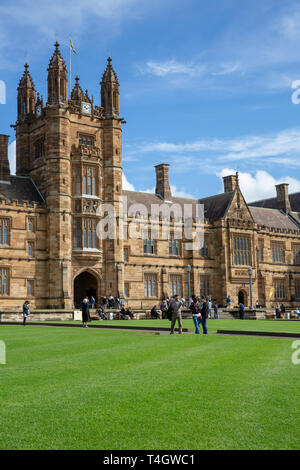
(283, 201)
(231, 182)
(4, 163)
(163, 189)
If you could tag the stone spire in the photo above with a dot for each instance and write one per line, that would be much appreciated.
(57, 79)
(26, 95)
(110, 91)
(77, 93)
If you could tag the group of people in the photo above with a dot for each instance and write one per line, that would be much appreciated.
(200, 308)
(201, 311)
(106, 303)
(110, 302)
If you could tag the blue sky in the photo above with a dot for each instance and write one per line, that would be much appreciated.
(204, 86)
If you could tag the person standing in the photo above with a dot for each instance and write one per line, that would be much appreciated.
(204, 314)
(194, 308)
(26, 311)
(209, 308)
(93, 301)
(216, 315)
(242, 311)
(277, 311)
(163, 308)
(85, 312)
(175, 310)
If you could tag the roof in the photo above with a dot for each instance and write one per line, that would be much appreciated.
(272, 202)
(273, 218)
(149, 199)
(21, 188)
(215, 207)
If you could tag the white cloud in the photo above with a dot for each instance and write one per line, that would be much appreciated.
(227, 69)
(260, 185)
(253, 149)
(176, 192)
(126, 185)
(171, 67)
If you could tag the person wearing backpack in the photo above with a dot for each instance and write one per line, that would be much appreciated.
(195, 309)
(175, 311)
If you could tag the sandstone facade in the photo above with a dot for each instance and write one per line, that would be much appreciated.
(69, 166)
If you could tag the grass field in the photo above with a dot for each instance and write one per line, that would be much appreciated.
(213, 325)
(102, 389)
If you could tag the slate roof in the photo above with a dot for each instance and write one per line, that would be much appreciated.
(147, 199)
(21, 188)
(273, 218)
(214, 206)
(272, 202)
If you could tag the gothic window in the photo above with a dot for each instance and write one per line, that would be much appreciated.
(30, 284)
(126, 254)
(30, 249)
(39, 150)
(260, 248)
(296, 254)
(277, 252)
(241, 250)
(4, 231)
(86, 233)
(150, 282)
(126, 289)
(78, 234)
(204, 286)
(78, 180)
(175, 285)
(174, 246)
(203, 250)
(30, 224)
(86, 140)
(149, 246)
(279, 289)
(4, 276)
(85, 180)
(89, 181)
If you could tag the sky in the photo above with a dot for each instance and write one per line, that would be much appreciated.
(209, 87)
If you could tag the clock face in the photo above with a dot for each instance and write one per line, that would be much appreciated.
(38, 111)
(86, 108)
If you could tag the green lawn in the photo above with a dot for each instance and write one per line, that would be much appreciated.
(93, 389)
(213, 325)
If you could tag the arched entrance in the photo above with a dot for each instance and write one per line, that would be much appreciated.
(85, 284)
(242, 297)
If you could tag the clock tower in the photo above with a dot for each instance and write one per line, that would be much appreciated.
(71, 148)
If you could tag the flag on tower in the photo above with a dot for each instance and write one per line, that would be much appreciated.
(72, 47)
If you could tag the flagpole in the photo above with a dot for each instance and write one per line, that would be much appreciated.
(70, 78)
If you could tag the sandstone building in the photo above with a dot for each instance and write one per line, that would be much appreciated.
(69, 163)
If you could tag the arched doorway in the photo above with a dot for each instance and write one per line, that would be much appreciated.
(85, 284)
(242, 297)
